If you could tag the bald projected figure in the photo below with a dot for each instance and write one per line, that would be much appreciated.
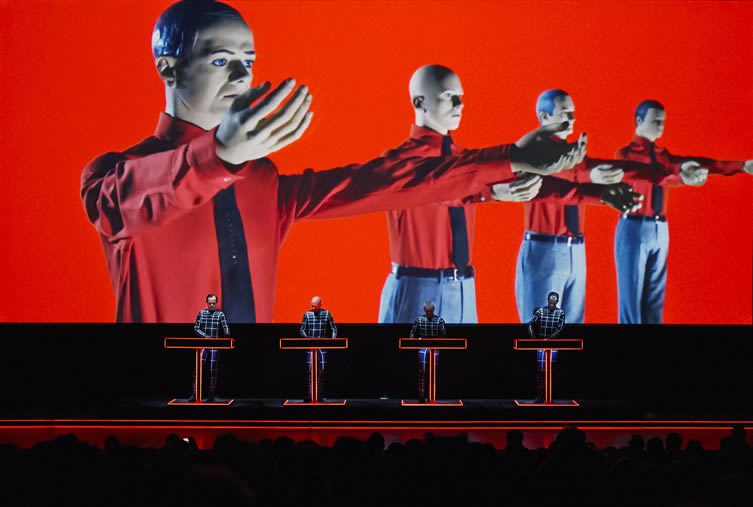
(431, 245)
(317, 323)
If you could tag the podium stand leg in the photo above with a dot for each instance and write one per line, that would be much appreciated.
(548, 381)
(432, 401)
(314, 388)
(198, 382)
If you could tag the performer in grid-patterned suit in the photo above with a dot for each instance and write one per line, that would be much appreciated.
(317, 323)
(547, 322)
(426, 326)
(210, 322)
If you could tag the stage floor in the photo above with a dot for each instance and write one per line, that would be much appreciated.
(384, 409)
(149, 421)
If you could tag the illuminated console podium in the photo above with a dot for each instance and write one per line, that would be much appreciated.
(197, 343)
(313, 345)
(433, 344)
(548, 345)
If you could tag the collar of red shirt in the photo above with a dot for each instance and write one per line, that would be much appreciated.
(427, 136)
(176, 131)
(641, 143)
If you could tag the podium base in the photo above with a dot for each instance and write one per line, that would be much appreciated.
(289, 403)
(554, 403)
(435, 403)
(177, 401)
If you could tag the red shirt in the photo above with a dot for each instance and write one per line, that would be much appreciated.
(665, 170)
(548, 216)
(152, 206)
(422, 236)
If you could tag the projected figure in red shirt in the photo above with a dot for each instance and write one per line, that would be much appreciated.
(198, 207)
(431, 245)
(552, 256)
(641, 241)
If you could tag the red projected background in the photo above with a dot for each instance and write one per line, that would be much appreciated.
(77, 79)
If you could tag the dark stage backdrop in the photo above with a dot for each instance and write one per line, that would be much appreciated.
(685, 369)
(77, 80)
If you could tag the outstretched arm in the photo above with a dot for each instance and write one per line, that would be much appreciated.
(392, 181)
(401, 179)
(125, 193)
(713, 166)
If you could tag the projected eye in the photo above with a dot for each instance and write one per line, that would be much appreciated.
(248, 63)
(219, 62)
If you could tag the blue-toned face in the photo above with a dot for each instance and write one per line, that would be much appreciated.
(652, 126)
(220, 67)
(564, 110)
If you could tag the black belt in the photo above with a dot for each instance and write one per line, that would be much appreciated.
(552, 238)
(646, 218)
(454, 273)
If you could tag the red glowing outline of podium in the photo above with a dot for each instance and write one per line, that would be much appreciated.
(313, 345)
(197, 344)
(548, 345)
(439, 344)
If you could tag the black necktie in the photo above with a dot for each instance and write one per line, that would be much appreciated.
(571, 219)
(237, 294)
(460, 256)
(657, 192)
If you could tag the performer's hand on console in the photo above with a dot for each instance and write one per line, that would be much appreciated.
(251, 129)
(621, 197)
(606, 174)
(523, 188)
(692, 174)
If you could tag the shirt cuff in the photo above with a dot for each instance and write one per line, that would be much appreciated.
(500, 156)
(202, 157)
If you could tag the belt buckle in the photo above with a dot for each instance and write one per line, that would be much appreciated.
(455, 274)
(657, 218)
(569, 241)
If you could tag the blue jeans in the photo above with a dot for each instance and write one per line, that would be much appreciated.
(640, 254)
(403, 299)
(545, 266)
